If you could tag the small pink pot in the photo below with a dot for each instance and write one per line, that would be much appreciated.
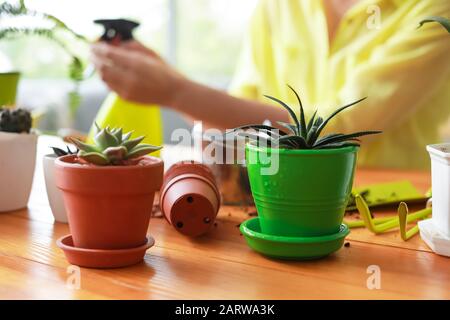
(190, 198)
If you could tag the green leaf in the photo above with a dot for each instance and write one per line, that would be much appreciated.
(268, 141)
(84, 146)
(105, 139)
(142, 150)
(116, 154)
(288, 126)
(97, 127)
(311, 121)
(312, 134)
(444, 22)
(327, 137)
(298, 141)
(256, 127)
(291, 112)
(118, 134)
(302, 128)
(59, 152)
(325, 122)
(130, 144)
(94, 157)
(127, 136)
(76, 69)
(342, 137)
(272, 133)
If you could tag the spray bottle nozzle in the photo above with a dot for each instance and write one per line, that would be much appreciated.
(117, 29)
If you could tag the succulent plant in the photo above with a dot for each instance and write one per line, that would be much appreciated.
(113, 147)
(60, 152)
(302, 134)
(15, 120)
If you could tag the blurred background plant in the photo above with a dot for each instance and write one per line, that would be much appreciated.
(190, 34)
(202, 38)
(21, 23)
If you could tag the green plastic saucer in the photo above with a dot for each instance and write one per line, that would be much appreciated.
(292, 248)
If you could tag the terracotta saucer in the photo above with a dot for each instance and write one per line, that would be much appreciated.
(97, 258)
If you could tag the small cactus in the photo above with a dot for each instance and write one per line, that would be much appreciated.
(15, 120)
(113, 147)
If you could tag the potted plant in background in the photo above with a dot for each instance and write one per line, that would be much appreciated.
(108, 191)
(17, 158)
(8, 83)
(58, 32)
(55, 198)
(301, 206)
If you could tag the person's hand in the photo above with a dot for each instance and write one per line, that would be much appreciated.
(136, 73)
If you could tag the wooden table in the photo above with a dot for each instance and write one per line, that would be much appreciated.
(219, 265)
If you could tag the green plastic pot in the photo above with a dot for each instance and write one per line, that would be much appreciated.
(307, 195)
(291, 248)
(8, 84)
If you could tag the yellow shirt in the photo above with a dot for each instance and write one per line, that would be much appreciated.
(404, 71)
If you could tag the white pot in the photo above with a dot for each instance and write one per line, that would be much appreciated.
(55, 197)
(17, 162)
(440, 176)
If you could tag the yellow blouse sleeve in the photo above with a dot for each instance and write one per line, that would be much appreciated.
(247, 79)
(398, 76)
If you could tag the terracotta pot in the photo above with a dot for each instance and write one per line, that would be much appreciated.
(17, 163)
(108, 207)
(190, 198)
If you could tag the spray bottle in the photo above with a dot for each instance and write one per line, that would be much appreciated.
(116, 112)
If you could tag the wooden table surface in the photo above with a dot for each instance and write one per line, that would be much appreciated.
(219, 265)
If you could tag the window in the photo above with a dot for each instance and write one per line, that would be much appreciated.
(202, 38)
(190, 33)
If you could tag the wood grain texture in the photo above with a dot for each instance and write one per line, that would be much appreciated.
(218, 265)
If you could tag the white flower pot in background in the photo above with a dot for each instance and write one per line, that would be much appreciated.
(436, 231)
(17, 162)
(440, 177)
(55, 197)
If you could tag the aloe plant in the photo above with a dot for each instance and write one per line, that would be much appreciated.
(113, 147)
(302, 134)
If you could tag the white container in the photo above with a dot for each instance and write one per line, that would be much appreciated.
(440, 177)
(54, 195)
(17, 163)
